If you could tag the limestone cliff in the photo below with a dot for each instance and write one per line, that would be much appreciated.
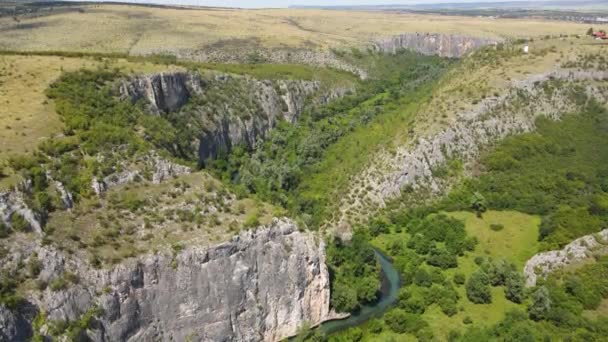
(411, 166)
(259, 286)
(229, 110)
(444, 45)
(582, 248)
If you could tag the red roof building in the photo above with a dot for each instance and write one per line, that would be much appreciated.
(600, 35)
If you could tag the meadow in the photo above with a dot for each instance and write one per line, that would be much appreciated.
(145, 30)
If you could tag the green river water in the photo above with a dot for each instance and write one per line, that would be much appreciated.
(389, 294)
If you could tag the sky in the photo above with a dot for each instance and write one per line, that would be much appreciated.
(286, 3)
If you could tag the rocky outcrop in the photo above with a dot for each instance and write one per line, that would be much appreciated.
(241, 55)
(259, 286)
(163, 92)
(231, 110)
(582, 248)
(158, 168)
(444, 45)
(411, 166)
(13, 325)
(13, 203)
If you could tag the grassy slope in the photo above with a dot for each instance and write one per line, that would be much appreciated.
(516, 242)
(160, 205)
(352, 152)
(26, 116)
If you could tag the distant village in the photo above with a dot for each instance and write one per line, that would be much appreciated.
(599, 34)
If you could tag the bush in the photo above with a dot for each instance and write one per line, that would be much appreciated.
(402, 322)
(448, 306)
(58, 284)
(515, 287)
(8, 296)
(541, 304)
(18, 223)
(375, 326)
(414, 305)
(459, 278)
(5, 231)
(252, 220)
(422, 278)
(497, 227)
(344, 298)
(478, 288)
(442, 259)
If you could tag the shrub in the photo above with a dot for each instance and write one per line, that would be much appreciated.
(344, 298)
(375, 326)
(541, 304)
(459, 278)
(252, 220)
(402, 322)
(5, 231)
(442, 259)
(422, 278)
(478, 288)
(19, 223)
(448, 306)
(497, 227)
(515, 286)
(58, 284)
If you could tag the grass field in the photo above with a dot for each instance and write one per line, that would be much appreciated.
(487, 74)
(26, 117)
(516, 242)
(144, 30)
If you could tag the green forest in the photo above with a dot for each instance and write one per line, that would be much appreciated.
(454, 289)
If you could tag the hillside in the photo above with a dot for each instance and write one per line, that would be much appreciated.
(212, 174)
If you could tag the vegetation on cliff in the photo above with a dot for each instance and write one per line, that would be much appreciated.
(303, 167)
(463, 281)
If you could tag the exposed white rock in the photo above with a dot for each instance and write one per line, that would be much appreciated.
(12, 202)
(244, 120)
(259, 286)
(469, 132)
(164, 169)
(582, 248)
(444, 45)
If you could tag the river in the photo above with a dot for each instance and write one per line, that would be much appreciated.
(389, 294)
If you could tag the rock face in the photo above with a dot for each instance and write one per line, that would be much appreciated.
(493, 119)
(231, 110)
(164, 92)
(242, 55)
(444, 45)
(13, 203)
(260, 286)
(544, 263)
(160, 169)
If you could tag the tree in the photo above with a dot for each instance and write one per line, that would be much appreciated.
(344, 298)
(379, 226)
(402, 322)
(448, 306)
(515, 286)
(478, 203)
(442, 259)
(459, 278)
(422, 278)
(478, 288)
(414, 305)
(541, 304)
